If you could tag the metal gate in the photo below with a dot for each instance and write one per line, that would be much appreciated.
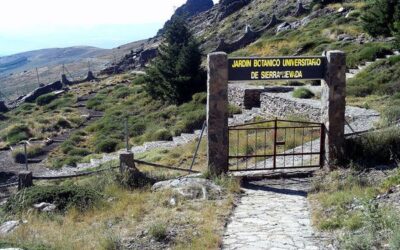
(276, 144)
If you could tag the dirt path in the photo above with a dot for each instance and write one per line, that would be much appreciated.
(274, 214)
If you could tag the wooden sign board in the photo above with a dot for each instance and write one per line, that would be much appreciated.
(276, 68)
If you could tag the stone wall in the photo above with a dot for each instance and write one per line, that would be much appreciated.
(281, 107)
(248, 97)
(42, 91)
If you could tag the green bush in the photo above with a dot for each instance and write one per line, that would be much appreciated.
(390, 115)
(233, 110)
(69, 160)
(45, 99)
(63, 102)
(97, 102)
(63, 197)
(190, 122)
(79, 152)
(303, 93)
(107, 146)
(162, 135)
(17, 133)
(62, 123)
(200, 98)
(32, 151)
(158, 231)
(374, 148)
(140, 79)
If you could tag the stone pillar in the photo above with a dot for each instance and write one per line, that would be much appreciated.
(64, 80)
(333, 98)
(24, 179)
(126, 161)
(90, 76)
(217, 113)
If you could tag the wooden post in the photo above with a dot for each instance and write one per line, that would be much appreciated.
(126, 161)
(333, 98)
(275, 138)
(217, 113)
(24, 179)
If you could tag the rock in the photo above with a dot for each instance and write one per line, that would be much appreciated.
(341, 10)
(42, 91)
(283, 26)
(3, 107)
(45, 207)
(173, 201)
(9, 226)
(191, 188)
(345, 37)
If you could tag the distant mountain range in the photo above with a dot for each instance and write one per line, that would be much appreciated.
(18, 72)
(46, 57)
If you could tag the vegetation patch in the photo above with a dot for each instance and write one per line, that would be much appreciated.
(32, 152)
(303, 93)
(17, 133)
(381, 78)
(45, 99)
(375, 148)
(344, 200)
(64, 197)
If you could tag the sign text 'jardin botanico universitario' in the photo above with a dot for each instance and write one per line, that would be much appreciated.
(276, 68)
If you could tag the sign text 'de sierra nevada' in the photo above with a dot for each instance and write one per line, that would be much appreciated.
(276, 68)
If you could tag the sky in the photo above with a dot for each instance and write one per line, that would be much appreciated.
(35, 24)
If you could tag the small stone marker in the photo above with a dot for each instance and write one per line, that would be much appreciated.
(126, 162)
(24, 179)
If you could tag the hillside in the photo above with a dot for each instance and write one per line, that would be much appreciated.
(18, 73)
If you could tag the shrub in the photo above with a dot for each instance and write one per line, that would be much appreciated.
(162, 135)
(79, 152)
(66, 101)
(62, 123)
(45, 99)
(63, 197)
(190, 122)
(32, 151)
(200, 98)
(66, 160)
(17, 133)
(381, 16)
(140, 79)
(97, 102)
(107, 146)
(233, 110)
(303, 93)
(374, 148)
(391, 115)
(158, 231)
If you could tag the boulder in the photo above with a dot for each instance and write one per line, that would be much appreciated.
(45, 207)
(9, 226)
(283, 26)
(190, 188)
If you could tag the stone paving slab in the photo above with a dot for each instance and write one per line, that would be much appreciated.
(274, 214)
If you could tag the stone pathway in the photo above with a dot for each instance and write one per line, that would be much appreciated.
(274, 214)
